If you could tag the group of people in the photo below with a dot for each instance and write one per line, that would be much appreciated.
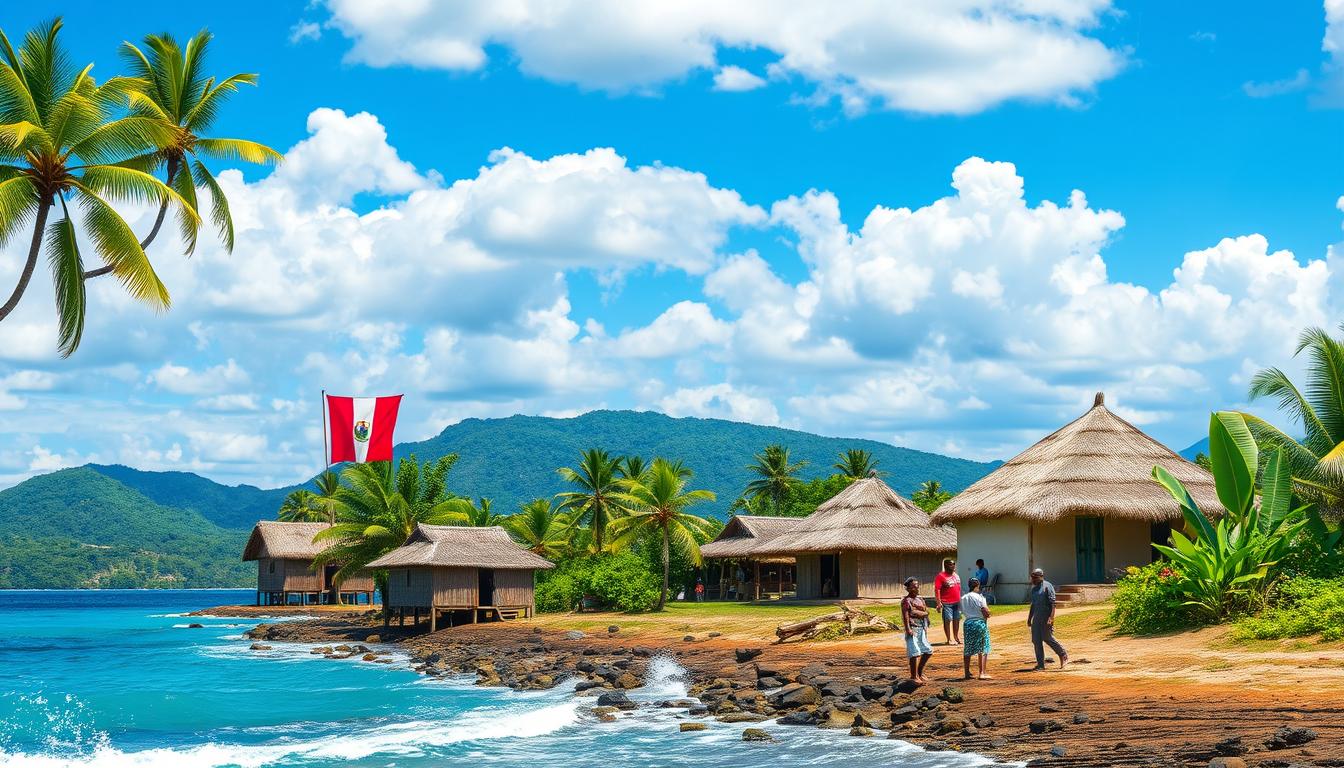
(967, 613)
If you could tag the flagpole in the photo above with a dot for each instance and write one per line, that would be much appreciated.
(326, 432)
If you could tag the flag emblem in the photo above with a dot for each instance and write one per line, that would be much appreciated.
(362, 431)
(359, 429)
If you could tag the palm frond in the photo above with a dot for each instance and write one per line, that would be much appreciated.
(117, 140)
(18, 204)
(238, 149)
(206, 110)
(67, 272)
(120, 249)
(188, 220)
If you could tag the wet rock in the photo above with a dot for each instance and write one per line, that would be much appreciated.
(904, 714)
(615, 699)
(373, 639)
(321, 650)
(952, 695)
(677, 704)
(744, 655)
(697, 710)
(1059, 750)
(194, 625)
(859, 730)
(686, 727)
(642, 652)
(260, 647)
(584, 685)
(949, 726)
(343, 648)
(1045, 726)
(740, 717)
(1000, 741)
(796, 695)
(1080, 717)
(800, 717)
(905, 685)
(872, 691)
(627, 680)
(936, 746)
(983, 721)
(756, 734)
(769, 682)
(1227, 761)
(1290, 736)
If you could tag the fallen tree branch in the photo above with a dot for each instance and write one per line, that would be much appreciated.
(846, 621)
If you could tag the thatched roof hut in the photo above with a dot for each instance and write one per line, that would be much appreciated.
(449, 546)
(284, 553)
(868, 516)
(1081, 504)
(744, 535)
(1098, 464)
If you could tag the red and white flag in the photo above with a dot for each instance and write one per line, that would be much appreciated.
(359, 429)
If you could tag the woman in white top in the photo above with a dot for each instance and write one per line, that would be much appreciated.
(975, 632)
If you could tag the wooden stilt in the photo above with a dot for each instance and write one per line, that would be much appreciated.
(756, 582)
(433, 619)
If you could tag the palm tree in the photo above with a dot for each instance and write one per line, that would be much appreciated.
(592, 504)
(301, 506)
(857, 464)
(930, 496)
(479, 515)
(379, 509)
(631, 467)
(58, 146)
(541, 528)
(179, 94)
(776, 475)
(328, 484)
(1317, 460)
(657, 506)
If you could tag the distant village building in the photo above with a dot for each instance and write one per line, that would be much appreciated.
(460, 573)
(1081, 504)
(284, 553)
(862, 543)
(734, 566)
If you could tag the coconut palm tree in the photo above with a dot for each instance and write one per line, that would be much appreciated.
(1317, 460)
(592, 503)
(479, 515)
(328, 484)
(179, 93)
(930, 496)
(776, 475)
(541, 528)
(301, 506)
(656, 507)
(379, 509)
(857, 464)
(631, 467)
(60, 150)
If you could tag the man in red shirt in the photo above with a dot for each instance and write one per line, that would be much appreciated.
(947, 590)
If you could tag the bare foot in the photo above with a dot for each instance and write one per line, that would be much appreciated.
(968, 676)
(985, 677)
(1064, 661)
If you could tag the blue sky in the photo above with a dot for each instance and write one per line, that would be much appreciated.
(650, 240)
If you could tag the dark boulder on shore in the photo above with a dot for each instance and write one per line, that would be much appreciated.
(747, 654)
(756, 734)
(616, 699)
(1290, 736)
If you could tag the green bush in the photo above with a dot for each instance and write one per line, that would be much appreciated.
(1301, 607)
(623, 581)
(1149, 600)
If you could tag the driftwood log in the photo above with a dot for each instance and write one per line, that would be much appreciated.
(846, 621)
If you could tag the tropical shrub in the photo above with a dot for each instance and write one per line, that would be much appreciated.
(1223, 567)
(1301, 607)
(621, 581)
(1148, 600)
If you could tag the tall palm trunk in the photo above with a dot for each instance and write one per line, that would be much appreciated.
(153, 232)
(662, 596)
(599, 510)
(39, 228)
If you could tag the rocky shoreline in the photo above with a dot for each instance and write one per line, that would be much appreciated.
(1023, 718)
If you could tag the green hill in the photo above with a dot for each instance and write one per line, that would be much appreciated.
(515, 459)
(79, 528)
(115, 526)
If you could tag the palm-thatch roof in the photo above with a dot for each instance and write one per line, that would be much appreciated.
(745, 534)
(450, 546)
(867, 516)
(1099, 465)
(283, 541)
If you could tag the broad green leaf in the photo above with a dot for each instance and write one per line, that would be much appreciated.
(1189, 509)
(1234, 457)
(1276, 489)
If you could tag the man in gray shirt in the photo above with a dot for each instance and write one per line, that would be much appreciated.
(1041, 619)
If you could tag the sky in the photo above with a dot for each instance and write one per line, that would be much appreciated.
(943, 224)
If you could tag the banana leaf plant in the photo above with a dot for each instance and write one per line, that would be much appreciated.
(1225, 563)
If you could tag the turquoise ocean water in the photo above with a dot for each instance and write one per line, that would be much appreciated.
(115, 678)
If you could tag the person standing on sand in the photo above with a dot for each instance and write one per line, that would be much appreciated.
(976, 611)
(915, 619)
(947, 591)
(1041, 619)
(699, 591)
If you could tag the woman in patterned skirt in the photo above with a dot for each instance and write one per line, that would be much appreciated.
(975, 632)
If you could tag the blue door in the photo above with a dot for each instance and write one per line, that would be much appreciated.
(1088, 534)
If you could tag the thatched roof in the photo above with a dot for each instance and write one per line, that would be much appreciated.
(449, 546)
(867, 516)
(744, 534)
(1099, 464)
(283, 541)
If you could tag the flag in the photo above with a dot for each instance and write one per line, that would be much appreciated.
(359, 429)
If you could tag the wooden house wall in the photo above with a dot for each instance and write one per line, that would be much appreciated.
(513, 587)
(456, 586)
(358, 584)
(275, 575)
(849, 574)
(809, 576)
(408, 588)
(883, 574)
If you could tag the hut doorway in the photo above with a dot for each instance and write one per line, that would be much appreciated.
(329, 583)
(485, 586)
(828, 576)
(1159, 533)
(1088, 533)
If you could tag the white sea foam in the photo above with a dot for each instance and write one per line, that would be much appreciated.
(406, 739)
(664, 678)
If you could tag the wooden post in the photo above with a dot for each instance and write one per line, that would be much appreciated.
(756, 581)
(433, 619)
(780, 573)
